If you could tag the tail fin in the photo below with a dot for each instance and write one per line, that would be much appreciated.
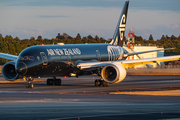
(118, 37)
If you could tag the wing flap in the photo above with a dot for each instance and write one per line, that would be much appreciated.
(8, 56)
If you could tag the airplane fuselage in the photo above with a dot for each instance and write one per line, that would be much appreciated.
(61, 60)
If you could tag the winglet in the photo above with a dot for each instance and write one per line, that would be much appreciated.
(118, 37)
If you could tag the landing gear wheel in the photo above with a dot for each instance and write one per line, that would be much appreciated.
(97, 83)
(29, 84)
(54, 81)
(57, 82)
(105, 84)
(49, 82)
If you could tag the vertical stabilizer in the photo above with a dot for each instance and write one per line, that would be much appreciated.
(118, 37)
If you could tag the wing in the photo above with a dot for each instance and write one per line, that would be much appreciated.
(8, 56)
(136, 53)
(132, 63)
(129, 63)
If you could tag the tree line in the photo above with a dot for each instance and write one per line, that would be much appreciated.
(14, 46)
(165, 41)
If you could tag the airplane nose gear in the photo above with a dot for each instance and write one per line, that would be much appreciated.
(29, 83)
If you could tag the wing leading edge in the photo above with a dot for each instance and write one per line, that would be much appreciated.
(8, 56)
(129, 63)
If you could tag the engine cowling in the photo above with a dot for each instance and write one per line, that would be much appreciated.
(113, 73)
(9, 71)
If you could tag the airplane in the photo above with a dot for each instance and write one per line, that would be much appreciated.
(108, 61)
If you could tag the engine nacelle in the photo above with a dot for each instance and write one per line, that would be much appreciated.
(113, 73)
(9, 71)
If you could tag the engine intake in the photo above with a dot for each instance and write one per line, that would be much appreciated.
(113, 73)
(9, 71)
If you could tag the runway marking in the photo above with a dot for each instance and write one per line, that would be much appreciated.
(151, 93)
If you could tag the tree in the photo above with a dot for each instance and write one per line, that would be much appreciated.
(39, 38)
(1, 35)
(163, 37)
(32, 39)
(150, 37)
(178, 37)
(139, 38)
(69, 37)
(58, 36)
(11, 48)
(103, 40)
(97, 39)
(17, 39)
(173, 37)
(78, 37)
(17, 47)
(65, 35)
(167, 37)
(84, 40)
(89, 37)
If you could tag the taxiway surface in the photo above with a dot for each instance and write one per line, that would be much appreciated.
(78, 98)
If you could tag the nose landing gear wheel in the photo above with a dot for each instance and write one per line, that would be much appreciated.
(29, 84)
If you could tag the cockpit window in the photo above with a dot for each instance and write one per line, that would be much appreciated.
(28, 58)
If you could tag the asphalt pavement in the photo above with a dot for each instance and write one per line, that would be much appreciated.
(79, 99)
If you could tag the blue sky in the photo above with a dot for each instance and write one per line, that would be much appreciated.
(27, 18)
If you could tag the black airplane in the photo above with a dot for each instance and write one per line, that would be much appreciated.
(108, 61)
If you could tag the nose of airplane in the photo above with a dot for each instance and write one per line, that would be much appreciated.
(21, 68)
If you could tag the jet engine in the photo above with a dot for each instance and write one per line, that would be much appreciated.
(113, 73)
(9, 72)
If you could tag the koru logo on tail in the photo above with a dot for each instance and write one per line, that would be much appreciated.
(122, 26)
(123, 21)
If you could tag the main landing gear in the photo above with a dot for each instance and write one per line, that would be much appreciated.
(99, 82)
(54, 81)
(29, 83)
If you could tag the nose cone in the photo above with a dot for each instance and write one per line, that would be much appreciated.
(21, 68)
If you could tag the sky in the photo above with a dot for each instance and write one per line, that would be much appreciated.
(31, 18)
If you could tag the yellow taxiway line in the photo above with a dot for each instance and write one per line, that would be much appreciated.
(152, 93)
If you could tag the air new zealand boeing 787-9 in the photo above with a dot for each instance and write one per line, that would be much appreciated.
(108, 61)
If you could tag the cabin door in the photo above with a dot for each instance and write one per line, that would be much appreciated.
(44, 58)
(98, 55)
